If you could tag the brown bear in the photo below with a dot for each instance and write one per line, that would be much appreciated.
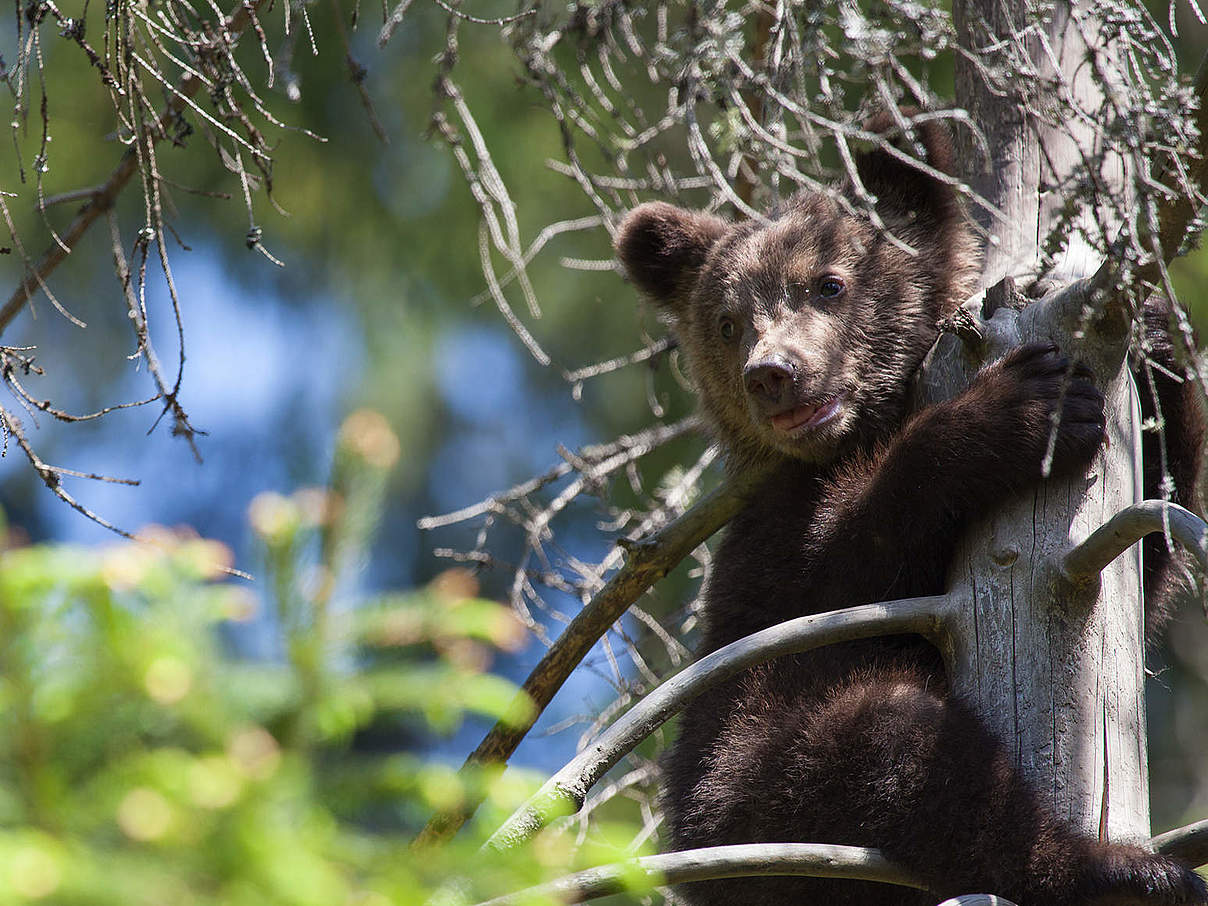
(801, 334)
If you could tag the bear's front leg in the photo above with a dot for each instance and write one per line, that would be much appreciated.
(890, 522)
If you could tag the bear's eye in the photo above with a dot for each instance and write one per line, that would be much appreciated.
(829, 287)
(727, 329)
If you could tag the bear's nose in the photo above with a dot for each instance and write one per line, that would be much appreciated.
(768, 379)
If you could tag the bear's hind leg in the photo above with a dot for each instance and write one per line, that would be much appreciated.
(888, 763)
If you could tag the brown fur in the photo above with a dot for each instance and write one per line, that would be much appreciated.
(1172, 448)
(860, 743)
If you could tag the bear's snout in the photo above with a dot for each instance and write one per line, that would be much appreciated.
(769, 380)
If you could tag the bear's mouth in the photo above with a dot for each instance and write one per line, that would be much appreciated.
(809, 415)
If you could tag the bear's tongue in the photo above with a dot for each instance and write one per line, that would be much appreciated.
(815, 413)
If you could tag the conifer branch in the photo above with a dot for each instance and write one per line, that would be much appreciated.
(104, 196)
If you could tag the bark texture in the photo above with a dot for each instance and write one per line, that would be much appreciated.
(1054, 668)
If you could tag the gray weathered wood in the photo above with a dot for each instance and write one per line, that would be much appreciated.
(1128, 527)
(1189, 843)
(1055, 668)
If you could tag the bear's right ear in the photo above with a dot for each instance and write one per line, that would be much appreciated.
(663, 248)
(905, 188)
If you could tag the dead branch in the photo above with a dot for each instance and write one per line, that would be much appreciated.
(1128, 527)
(1104, 301)
(564, 793)
(646, 562)
(814, 860)
(105, 195)
(748, 860)
(10, 425)
(1187, 844)
(593, 458)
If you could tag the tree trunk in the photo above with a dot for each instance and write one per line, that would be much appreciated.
(1055, 669)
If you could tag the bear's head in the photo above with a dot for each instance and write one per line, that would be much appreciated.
(801, 333)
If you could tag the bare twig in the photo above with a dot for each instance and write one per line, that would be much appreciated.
(138, 321)
(1109, 291)
(357, 73)
(50, 474)
(107, 193)
(637, 444)
(393, 21)
(499, 20)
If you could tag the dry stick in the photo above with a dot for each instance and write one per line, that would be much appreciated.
(1128, 527)
(565, 792)
(1174, 218)
(812, 860)
(106, 194)
(357, 74)
(746, 860)
(638, 444)
(11, 425)
(753, 101)
(647, 561)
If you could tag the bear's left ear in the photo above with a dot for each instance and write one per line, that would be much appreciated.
(663, 248)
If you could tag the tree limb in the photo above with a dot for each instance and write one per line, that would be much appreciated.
(813, 860)
(1128, 527)
(646, 562)
(747, 860)
(1188, 844)
(564, 793)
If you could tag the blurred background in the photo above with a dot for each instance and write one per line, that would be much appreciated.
(366, 383)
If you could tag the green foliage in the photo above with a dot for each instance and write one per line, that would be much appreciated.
(140, 762)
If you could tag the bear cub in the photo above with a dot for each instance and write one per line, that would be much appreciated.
(801, 334)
